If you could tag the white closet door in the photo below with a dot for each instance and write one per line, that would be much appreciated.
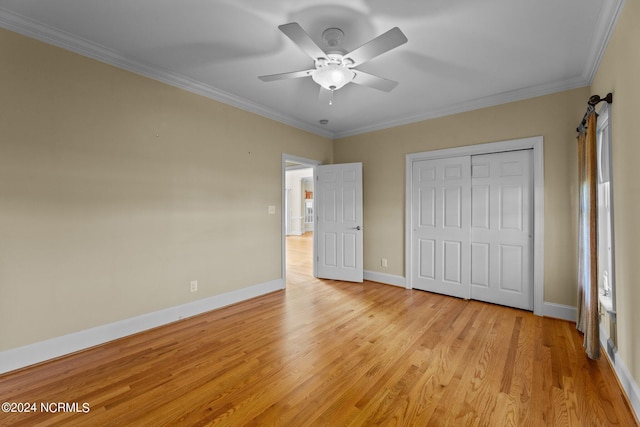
(441, 216)
(501, 228)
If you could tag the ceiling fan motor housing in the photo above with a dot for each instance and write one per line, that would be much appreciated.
(333, 37)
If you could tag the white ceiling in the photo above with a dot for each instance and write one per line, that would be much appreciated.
(461, 54)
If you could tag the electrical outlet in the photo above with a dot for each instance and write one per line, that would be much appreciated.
(383, 262)
(194, 286)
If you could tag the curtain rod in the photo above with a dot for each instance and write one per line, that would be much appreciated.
(593, 101)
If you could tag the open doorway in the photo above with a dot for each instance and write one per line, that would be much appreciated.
(298, 219)
(298, 200)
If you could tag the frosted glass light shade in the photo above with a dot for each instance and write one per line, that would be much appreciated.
(333, 76)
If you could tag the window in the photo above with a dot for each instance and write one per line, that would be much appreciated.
(606, 277)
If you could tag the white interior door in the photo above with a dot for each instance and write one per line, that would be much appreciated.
(501, 228)
(441, 225)
(338, 203)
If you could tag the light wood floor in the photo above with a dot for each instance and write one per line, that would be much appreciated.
(335, 354)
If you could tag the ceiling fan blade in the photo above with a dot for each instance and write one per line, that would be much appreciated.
(325, 96)
(369, 80)
(300, 37)
(284, 76)
(381, 44)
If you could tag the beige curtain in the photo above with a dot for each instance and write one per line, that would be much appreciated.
(587, 243)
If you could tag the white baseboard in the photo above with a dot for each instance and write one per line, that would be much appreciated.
(21, 357)
(549, 309)
(629, 385)
(387, 279)
(559, 311)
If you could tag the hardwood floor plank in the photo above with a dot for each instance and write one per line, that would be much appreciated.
(523, 374)
(327, 353)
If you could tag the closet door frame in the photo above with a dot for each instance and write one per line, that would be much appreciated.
(534, 143)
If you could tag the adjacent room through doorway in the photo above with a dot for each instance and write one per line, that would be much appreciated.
(298, 216)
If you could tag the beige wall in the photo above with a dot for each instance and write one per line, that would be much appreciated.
(383, 155)
(619, 72)
(116, 191)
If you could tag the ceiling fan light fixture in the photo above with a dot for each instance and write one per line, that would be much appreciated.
(333, 76)
(334, 67)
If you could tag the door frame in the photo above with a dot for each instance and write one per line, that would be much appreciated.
(534, 143)
(312, 164)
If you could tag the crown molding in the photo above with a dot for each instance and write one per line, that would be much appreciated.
(607, 19)
(609, 12)
(474, 104)
(44, 33)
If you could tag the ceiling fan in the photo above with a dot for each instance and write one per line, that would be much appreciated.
(335, 68)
